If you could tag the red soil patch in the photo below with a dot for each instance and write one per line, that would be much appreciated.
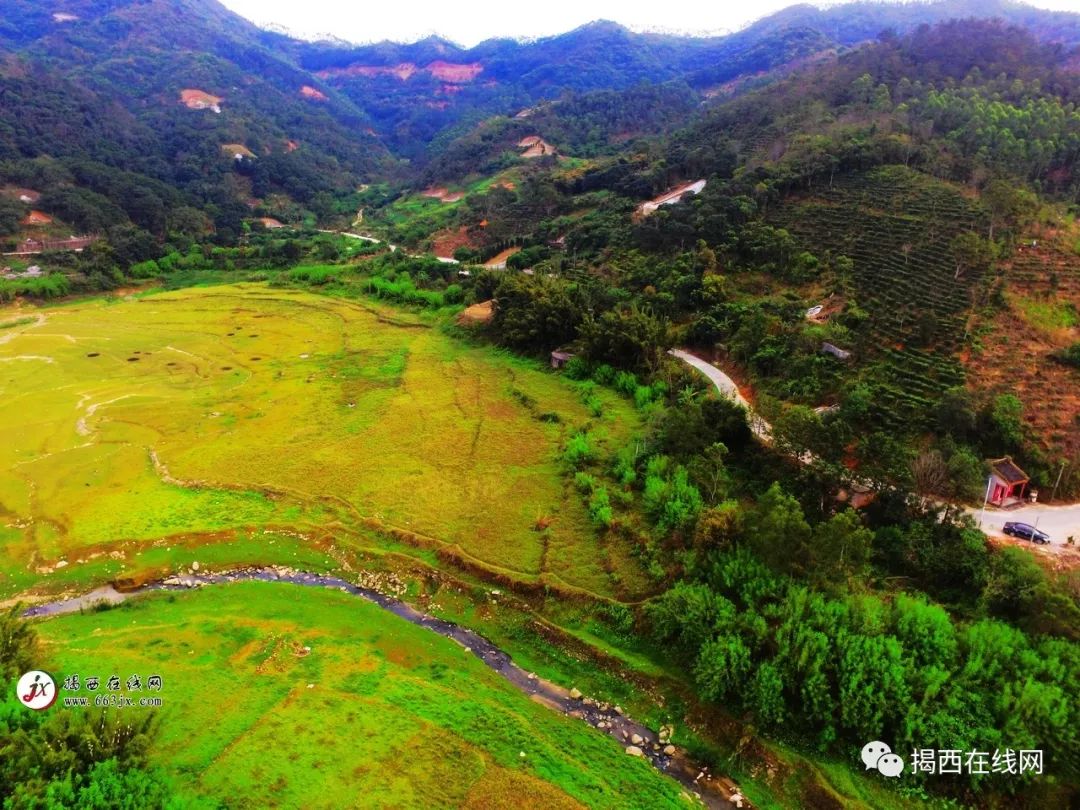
(37, 218)
(477, 314)
(509, 185)
(1015, 356)
(498, 261)
(402, 71)
(444, 243)
(199, 99)
(271, 224)
(459, 74)
(528, 140)
(442, 195)
(291, 146)
(307, 91)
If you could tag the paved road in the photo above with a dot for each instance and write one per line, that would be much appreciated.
(1057, 521)
(727, 388)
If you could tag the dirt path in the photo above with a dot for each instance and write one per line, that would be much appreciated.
(14, 331)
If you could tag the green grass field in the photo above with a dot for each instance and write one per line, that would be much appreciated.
(379, 713)
(166, 419)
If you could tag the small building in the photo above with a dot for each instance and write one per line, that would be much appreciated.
(1007, 483)
(560, 358)
(835, 351)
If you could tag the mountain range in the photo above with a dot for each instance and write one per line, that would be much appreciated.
(179, 115)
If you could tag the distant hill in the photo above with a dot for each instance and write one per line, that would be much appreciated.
(156, 89)
(415, 91)
(224, 118)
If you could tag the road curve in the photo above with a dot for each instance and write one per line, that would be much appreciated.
(728, 389)
(1060, 522)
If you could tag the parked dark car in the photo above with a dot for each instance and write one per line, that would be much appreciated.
(1027, 532)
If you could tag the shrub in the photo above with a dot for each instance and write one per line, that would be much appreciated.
(1070, 355)
(578, 452)
(600, 508)
(626, 383)
(576, 369)
(585, 482)
(603, 374)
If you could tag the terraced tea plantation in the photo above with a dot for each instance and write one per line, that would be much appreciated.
(904, 275)
(144, 432)
(276, 695)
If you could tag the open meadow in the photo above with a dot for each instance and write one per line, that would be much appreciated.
(277, 695)
(154, 425)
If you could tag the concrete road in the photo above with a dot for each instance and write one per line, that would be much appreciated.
(1057, 521)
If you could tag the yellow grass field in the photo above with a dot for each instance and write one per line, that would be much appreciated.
(131, 421)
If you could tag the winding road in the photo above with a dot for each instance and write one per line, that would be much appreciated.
(729, 390)
(1060, 522)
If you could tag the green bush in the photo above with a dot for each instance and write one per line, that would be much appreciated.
(578, 451)
(600, 508)
(1070, 355)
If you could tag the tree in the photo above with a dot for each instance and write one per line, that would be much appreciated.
(930, 473)
(709, 471)
(10, 215)
(778, 533)
(967, 475)
(972, 255)
(840, 548)
(1007, 203)
(688, 614)
(718, 527)
(19, 650)
(534, 313)
(1004, 418)
(955, 413)
(627, 338)
(722, 665)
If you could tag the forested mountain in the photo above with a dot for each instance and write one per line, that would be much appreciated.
(167, 94)
(232, 119)
(416, 91)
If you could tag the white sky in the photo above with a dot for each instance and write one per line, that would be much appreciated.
(470, 21)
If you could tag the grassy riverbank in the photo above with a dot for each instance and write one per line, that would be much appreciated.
(360, 696)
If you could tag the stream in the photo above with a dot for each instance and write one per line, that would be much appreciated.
(714, 792)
